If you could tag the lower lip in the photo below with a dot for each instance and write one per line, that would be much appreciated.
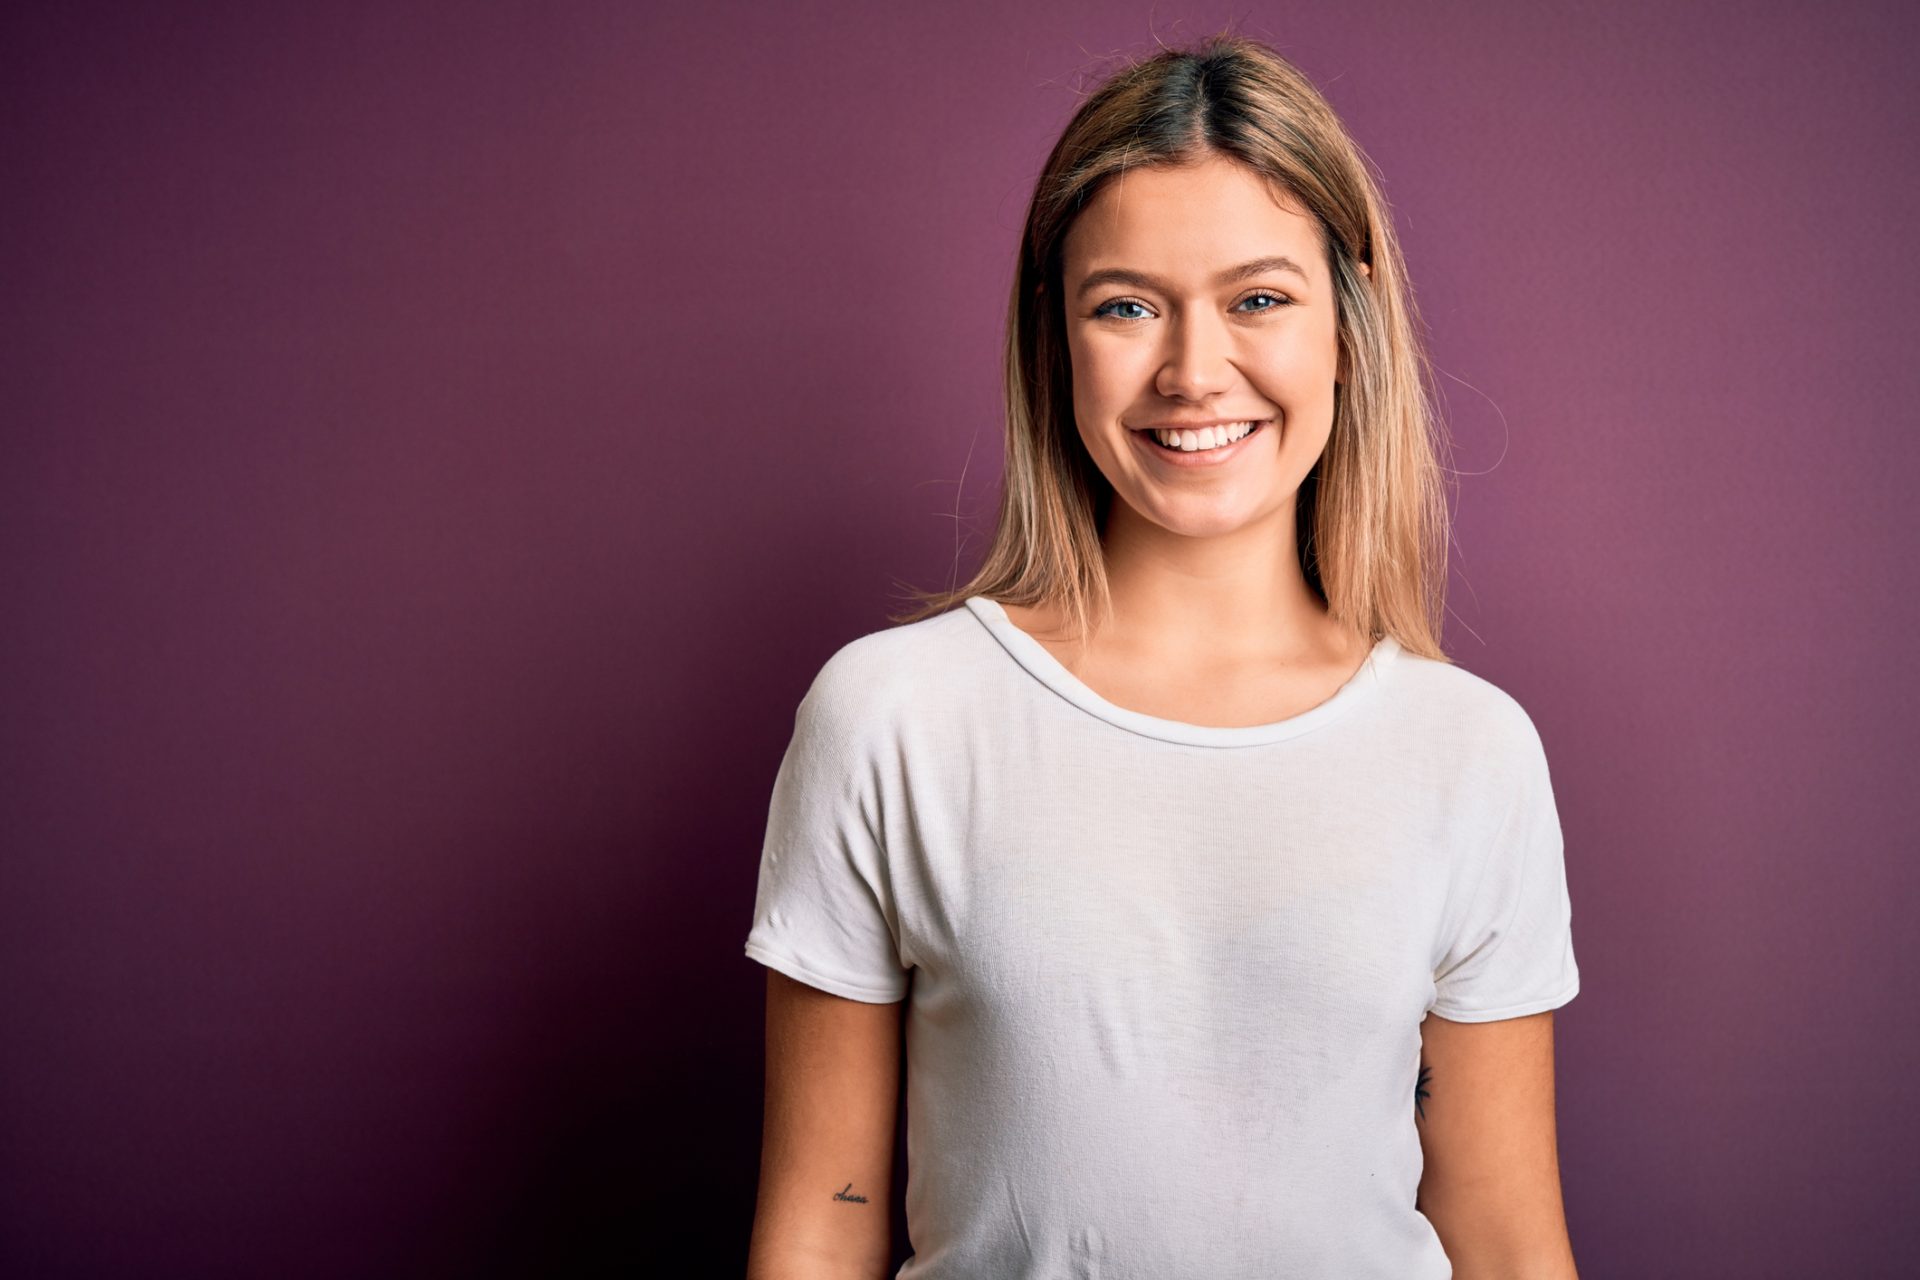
(1197, 457)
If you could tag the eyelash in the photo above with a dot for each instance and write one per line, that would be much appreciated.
(1282, 299)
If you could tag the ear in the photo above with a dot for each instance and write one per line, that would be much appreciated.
(1366, 270)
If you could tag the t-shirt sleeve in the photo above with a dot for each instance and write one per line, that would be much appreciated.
(824, 912)
(1511, 951)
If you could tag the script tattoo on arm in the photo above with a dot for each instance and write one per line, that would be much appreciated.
(842, 1194)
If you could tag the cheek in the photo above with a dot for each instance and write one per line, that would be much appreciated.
(1110, 375)
(1297, 370)
(1108, 370)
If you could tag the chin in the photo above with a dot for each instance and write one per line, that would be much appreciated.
(1191, 520)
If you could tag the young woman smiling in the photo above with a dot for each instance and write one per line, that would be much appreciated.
(1221, 916)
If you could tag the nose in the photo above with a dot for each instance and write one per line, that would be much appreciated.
(1196, 364)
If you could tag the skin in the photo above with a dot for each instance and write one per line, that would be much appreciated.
(1214, 622)
(1491, 1181)
(826, 1162)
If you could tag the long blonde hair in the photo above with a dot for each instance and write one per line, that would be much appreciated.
(1372, 513)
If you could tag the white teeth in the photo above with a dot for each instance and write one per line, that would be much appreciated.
(1204, 438)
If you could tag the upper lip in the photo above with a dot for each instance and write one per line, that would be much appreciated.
(1195, 426)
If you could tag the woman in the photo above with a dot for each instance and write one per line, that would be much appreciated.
(1222, 917)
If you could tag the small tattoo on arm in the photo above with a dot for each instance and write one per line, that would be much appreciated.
(1419, 1093)
(842, 1194)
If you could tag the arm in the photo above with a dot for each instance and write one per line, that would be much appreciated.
(826, 1160)
(1491, 1183)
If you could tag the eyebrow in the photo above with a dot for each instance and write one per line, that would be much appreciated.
(1141, 280)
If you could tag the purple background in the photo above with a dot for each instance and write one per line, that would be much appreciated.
(442, 441)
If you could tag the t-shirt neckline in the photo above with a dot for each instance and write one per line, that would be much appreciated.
(1046, 668)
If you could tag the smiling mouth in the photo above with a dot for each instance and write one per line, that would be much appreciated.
(1203, 440)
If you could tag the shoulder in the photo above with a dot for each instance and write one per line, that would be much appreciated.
(872, 679)
(1472, 715)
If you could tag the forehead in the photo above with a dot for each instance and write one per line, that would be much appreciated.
(1190, 220)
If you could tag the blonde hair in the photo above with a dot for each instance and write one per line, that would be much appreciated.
(1372, 513)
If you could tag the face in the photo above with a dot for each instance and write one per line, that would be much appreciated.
(1199, 295)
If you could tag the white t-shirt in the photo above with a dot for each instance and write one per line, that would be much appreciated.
(1164, 981)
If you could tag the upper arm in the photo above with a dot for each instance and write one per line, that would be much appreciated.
(1485, 1114)
(826, 1162)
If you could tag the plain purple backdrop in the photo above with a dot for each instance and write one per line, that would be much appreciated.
(442, 441)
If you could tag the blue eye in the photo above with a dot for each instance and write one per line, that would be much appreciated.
(1109, 309)
(1279, 299)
